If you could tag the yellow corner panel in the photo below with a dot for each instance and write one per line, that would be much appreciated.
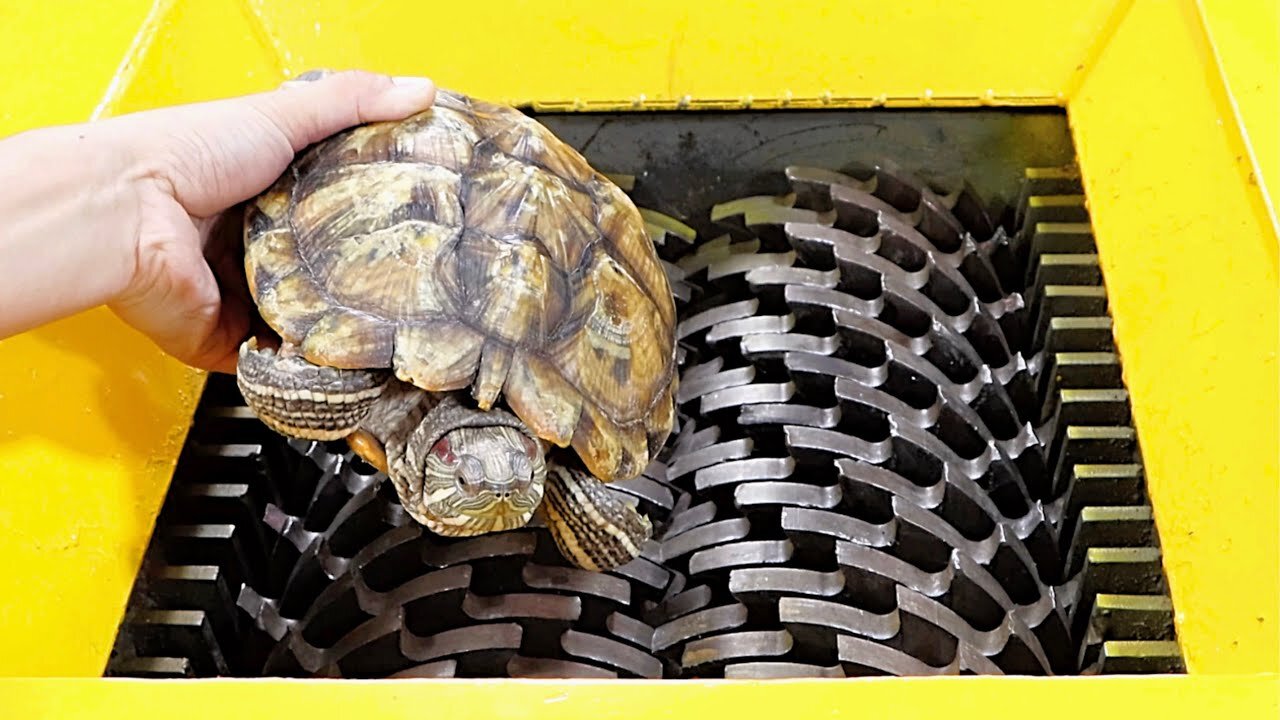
(199, 51)
(81, 425)
(1189, 258)
(92, 416)
(1245, 38)
(56, 66)
(659, 52)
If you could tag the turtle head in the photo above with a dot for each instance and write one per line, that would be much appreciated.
(479, 471)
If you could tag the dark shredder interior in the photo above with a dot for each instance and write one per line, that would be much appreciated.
(904, 447)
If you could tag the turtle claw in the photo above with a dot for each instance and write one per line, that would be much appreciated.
(594, 528)
(299, 399)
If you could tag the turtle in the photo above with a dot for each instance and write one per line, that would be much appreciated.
(478, 312)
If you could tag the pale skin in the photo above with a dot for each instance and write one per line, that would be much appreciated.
(140, 212)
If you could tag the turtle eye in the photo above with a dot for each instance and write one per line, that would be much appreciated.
(472, 470)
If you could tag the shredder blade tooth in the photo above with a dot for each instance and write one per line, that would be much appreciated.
(630, 630)
(704, 536)
(153, 668)
(733, 472)
(765, 494)
(812, 303)
(264, 612)
(559, 599)
(999, 252)
(695, 325)
(439, 669)
(742, 396)
(711, 382)
(861, 656)
(543, 616)
(763, 585)
(649, 579)
(967, 206)
(686, 463)
(829, 618)
(581, 583)
(817, 446)
(519, 543)
(205, 587)
(746, 553)
(779, 670)
(521, 666)
(725, 272)
(709, 655)
(762, 218)
(653, 496)
(691, 517)
(679, 604)
(626, 660)
(697, 624)
(497, 638)
(187, 632)
(812, 185)
(695, 264)
(817, 531)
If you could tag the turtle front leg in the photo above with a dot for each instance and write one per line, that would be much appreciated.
(299, 399)
(593, 527)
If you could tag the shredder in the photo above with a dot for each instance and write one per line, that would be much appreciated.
(977, 333)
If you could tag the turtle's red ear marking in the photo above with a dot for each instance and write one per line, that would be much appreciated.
(443, 450)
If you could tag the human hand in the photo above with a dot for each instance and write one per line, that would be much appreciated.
(142, 213)
(187, 291)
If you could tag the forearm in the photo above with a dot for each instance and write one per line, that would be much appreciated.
(69, 207)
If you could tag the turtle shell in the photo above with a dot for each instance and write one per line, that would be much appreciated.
(468, 247)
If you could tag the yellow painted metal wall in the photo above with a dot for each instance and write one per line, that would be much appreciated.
(661, 52)
(1244, 38)
(1189, 258)
(90, 415)
(1189, 251)
(970, 698)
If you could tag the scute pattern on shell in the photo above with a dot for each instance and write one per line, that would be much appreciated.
(469, 247)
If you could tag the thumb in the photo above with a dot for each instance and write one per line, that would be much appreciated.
(309, 111)
(222, 152)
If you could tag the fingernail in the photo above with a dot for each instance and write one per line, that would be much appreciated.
(410, 81)
(309, 76)
(313, 75)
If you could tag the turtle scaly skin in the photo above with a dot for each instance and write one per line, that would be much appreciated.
(479, 312)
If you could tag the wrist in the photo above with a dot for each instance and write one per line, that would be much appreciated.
(71, 194)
